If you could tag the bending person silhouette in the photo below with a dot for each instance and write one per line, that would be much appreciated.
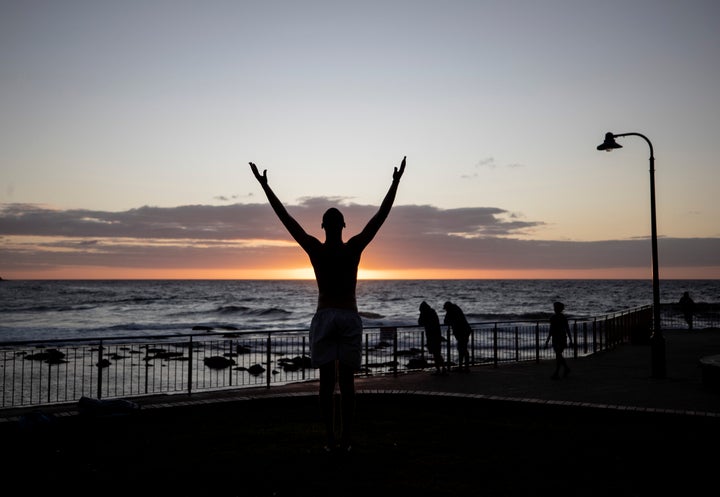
(429, 320)
(455, 318)
(336, 328)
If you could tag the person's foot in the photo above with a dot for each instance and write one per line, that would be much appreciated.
(345, 447)
(330, 445)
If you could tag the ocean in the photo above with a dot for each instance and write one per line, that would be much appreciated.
(65, 309)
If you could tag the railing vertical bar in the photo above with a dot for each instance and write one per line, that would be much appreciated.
(268, 351)
(190, 365)
(99, 370)
(147, 366)
(367, 354)
(575, 335)
(395, 352)
(49, 388)
(302, 356)
(4, 389)
(229, 354)
(495, 345)
(472, 346)
(449, 348)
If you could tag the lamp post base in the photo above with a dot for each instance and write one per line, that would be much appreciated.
(657, 351)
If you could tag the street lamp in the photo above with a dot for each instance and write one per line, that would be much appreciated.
(657, 341)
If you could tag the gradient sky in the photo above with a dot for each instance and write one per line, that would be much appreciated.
(126, 129)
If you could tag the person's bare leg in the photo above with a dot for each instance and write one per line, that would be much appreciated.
(558, 365)
(328, 378)
(347, 392)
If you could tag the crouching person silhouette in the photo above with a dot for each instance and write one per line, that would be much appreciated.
(336, 328)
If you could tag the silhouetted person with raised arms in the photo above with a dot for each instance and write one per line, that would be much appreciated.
(429, 320)
(336, 328)
(455, 318)
(559, 333)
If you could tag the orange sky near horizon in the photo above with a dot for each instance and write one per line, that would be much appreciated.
(111, 273)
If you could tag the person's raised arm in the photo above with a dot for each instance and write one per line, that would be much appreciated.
(373, 226)
(293, 227)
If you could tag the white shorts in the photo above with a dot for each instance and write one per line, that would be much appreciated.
(336, 334)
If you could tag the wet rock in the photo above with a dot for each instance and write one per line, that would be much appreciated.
(49, 356)
(218, 362)
(256, 370)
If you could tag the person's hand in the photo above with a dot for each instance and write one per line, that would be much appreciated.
(261, 178)
(398, 174)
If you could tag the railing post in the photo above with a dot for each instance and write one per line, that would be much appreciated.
(268, 372)
(537, 343)
(367, 355)
(100, 368)
(517, 344)
(302, 356)
(230, 369)
(49, 380)
(472, 346)
(395, 353)
(495, 345)
(190, 366)
(594, 331)
(147, 367)
(448, 347)
(585, 347)
(604, 335)
(575, 345)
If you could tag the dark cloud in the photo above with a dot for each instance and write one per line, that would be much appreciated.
(250, 236)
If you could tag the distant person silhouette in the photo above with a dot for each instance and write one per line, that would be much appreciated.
(455, 318)
(560, 335)
(687, 306)
(433, 335)
(336, 328)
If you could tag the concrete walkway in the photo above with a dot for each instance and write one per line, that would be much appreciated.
(616, 379)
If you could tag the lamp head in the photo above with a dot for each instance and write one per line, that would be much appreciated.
(609, 144)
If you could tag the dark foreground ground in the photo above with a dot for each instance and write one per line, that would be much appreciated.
(406, 444)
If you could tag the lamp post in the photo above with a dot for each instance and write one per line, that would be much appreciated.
(657, 341)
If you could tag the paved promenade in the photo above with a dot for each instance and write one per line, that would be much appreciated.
(616, 379)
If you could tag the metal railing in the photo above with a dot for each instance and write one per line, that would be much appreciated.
(52, 372)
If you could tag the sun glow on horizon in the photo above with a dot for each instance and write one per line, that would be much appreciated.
(306, 273)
